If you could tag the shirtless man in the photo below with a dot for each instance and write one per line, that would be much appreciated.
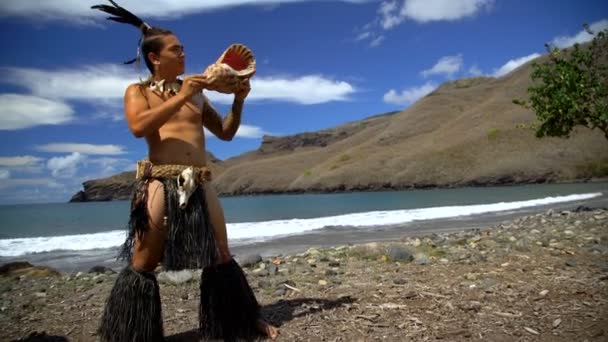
(170, 115)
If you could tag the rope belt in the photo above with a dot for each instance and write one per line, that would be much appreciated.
(146, 169)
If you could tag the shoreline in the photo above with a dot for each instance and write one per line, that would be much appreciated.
(383, 188)
(539, 276)
(81, 261)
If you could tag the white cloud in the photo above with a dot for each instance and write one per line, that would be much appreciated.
(5, 174)
(581, 37)
(475, 71)
(109, 166)
(245, 131)
(437, 10)
(376, 41)
(305, 90)
(25, 111)
(19, 161)
(81, 148)
(409, 95)
(448, 66)
(17, 182)
(368, 34)
(101, 82)
(392, 13)
(389, 15)
(65, 167)
(27, 164)
(106, 82)
(80, 10)
(513, 64)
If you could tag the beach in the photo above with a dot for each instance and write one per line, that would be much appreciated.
(540, 275)
(75, 237)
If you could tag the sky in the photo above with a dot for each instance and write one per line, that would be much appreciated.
(319, 64)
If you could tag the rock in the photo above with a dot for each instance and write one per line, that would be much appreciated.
(13, 266)
(322, 282)
(475, 238)
(556, 323)
(40, 294)
(443, 261)
(101, 269)
(531, 331)
(369, 250)
(98, 279)
(313, 252)
(488, 284)
(601, 249)
(416, 243)
(311, 261)
(331, 273)
(422, 261)
(522, 245)
(261, 273)
(571, 263)
(543, 293)
(262, 266)
(250, 260)
(273, 269)
(25, 269)
(175, 277)
(280, 291)
(399, 253)
(264, 284)
(471, 306)
(603, 266)
(399, 281)
(470, 276)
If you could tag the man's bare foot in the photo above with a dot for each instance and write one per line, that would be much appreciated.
(267, 329)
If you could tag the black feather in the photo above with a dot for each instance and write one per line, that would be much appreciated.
(120, 14)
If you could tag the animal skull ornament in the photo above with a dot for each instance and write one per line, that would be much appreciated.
(235, 66)
(186, 184)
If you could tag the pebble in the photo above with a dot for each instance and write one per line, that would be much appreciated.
(322, 282)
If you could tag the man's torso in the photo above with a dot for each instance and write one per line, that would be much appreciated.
(181, 139)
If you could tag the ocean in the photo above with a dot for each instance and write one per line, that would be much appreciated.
(79, 229)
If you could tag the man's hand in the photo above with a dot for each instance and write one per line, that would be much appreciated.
(243, 91)
(192, 85)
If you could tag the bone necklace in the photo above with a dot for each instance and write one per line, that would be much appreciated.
(162, 86)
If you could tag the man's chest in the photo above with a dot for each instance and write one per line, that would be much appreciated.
(191, 111)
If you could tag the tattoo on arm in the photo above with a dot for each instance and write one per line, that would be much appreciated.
(223, 128)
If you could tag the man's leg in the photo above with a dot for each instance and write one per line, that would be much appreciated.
(133, 309)
(148, 248)
(216, 216)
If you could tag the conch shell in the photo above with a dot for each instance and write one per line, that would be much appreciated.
(235, 65)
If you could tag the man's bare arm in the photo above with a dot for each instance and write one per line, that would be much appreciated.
(142, 119)
(224, 129)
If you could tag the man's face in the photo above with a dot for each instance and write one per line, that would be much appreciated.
(172, 57)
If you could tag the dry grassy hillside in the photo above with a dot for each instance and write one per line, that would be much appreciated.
(464, 133)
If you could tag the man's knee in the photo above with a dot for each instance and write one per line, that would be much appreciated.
(146, 260)
(142, 265)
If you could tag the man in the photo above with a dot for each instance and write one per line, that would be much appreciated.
(170, 114)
